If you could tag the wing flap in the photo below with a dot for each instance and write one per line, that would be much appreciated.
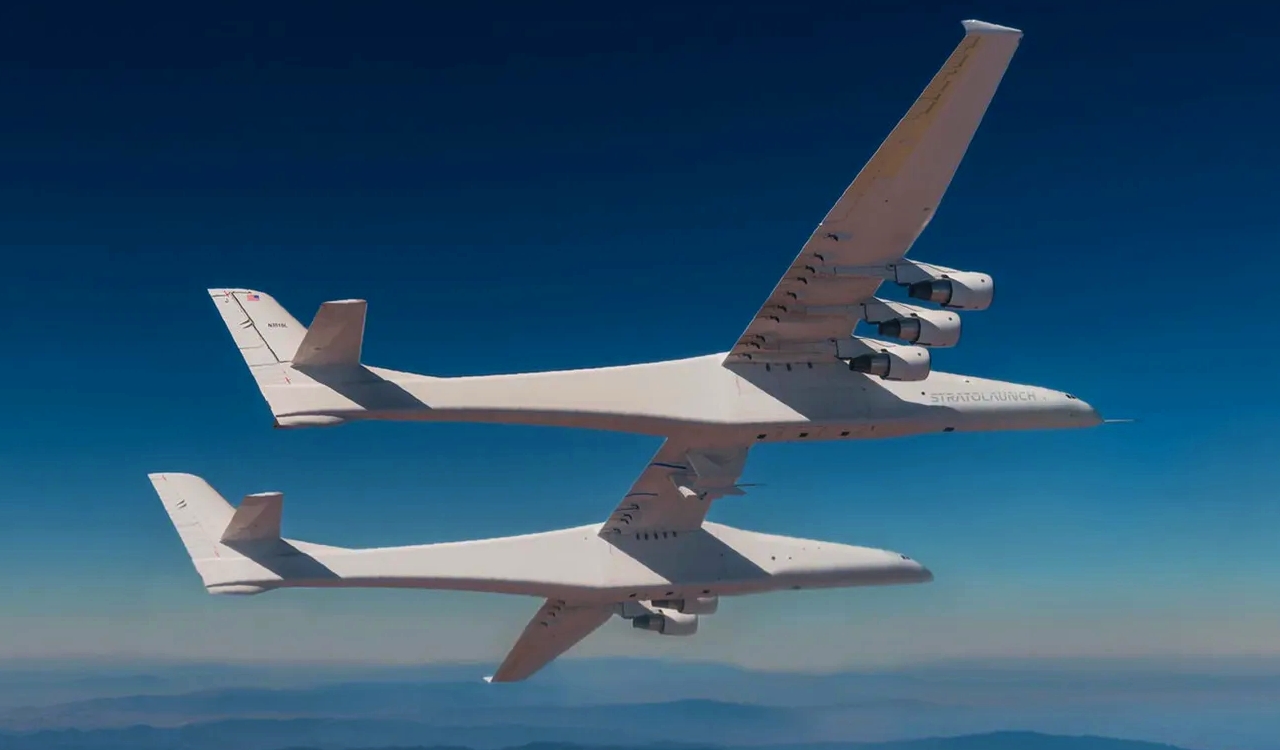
(556, 627)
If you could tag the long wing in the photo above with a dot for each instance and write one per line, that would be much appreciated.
(675, 490)
(555, 629)
(888, 204)
(673, 493)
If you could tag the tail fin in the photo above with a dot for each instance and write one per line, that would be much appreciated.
(273, 342)
(208, 525)
(264, 331)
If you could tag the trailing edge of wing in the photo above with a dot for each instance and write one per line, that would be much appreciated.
(556, 627)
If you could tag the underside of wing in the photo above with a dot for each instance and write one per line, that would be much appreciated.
(830, 286)
(676, 489)
(556, 628)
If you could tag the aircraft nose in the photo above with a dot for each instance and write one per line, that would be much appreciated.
(1089, 414)
(1081, 410)
(912, 570)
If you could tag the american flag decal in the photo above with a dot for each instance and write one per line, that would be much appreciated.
(251, 296)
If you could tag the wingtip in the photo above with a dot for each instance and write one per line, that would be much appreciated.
(488, 679)
(982, 27)
(164, 476)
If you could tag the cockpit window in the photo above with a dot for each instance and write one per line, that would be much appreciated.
(904, 557)
(1068, 395)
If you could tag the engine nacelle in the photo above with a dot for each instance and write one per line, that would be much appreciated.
(669, 622)
(892, 361)
(924, 327)
(960, 290)
(702, 605)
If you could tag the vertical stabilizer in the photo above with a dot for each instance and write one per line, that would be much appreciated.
(198, 512)
(281, 352)
(204, 519)
(264, 331)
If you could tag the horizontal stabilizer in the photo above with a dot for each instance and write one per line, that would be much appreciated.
(257, 519)
(335, 336)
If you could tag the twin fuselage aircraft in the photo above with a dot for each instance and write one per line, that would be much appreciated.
(798, 372)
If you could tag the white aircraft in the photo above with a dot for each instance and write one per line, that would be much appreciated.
(660, 580)
(796, 373)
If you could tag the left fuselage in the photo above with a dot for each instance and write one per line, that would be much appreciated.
(576, 564)
(762, 402)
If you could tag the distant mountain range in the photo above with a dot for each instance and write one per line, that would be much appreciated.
(341, 735)
(637, 705)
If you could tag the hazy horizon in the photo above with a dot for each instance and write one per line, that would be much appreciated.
(268, 707)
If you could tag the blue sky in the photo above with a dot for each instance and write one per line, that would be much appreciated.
(515, 190)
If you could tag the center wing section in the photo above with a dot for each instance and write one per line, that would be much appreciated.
(881, 213)
(676, 489)
(556, 627)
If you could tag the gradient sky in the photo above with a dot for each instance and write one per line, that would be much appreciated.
(517, 188)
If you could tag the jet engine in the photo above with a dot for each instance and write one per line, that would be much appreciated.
(668, 622)
(924, 327)
(960, 290)
(894, 362)
(702, 605)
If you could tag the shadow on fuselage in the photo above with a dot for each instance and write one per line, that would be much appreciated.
(687, 556)
(285, 560)
(368, 390)
(831, 392)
